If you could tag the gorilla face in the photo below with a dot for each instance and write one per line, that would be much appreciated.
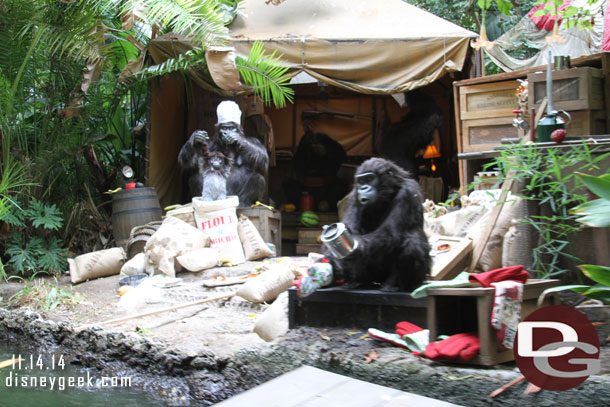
(216, 162)
(367, 185)
(229, 132)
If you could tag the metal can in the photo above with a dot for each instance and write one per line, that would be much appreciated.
(338, 240)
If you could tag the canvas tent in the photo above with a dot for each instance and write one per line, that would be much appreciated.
(366, 47)
(533, 31)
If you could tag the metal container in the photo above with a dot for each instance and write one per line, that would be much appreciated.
(338, 240)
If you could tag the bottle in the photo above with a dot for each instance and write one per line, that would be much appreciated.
(306, 202)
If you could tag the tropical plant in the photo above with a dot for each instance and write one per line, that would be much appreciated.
(546, 177)
(31, 247)
(72, 109)
(595, 213)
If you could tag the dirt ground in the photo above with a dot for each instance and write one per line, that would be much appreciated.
(224, 329)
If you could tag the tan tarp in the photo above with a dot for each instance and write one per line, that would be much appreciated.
(373, 47)
(370, 47)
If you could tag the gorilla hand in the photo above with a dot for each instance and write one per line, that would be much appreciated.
(200, 137)
(229, 133)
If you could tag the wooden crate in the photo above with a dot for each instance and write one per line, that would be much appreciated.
(457, 310)
(268, 223)
(485, 134)
(573, 89)
(309, 235)
(486, 115)
(587, 123)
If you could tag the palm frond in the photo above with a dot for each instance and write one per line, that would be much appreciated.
(266, 75)
(201, 20)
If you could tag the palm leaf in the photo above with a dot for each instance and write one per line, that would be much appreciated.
(266, 75)
(599, 274)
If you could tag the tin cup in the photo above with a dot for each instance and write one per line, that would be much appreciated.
(338, 240)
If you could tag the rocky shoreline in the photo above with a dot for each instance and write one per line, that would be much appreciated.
(202, 378)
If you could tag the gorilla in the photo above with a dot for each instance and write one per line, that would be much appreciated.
(192, 160)
(406, 138)
(217, 170)
(250, 160)
(385, 216)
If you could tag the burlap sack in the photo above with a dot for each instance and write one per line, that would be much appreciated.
(185, 213)
(200, 259)
(251, 240)
(268, 285)
(96, 264)
(274, 321)
(457, 223)
(174, 238)
(219, 220)
(134, 266)
(491, 258)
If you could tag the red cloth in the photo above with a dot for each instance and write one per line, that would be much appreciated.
(546, 21)
(464, 346)
(405, 328)
(512, 273)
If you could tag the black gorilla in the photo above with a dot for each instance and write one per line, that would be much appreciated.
(384, 214)
(192, 159)
(217, 170)
(250, 160)
(413, 132)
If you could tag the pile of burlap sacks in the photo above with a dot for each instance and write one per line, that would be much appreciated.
(214, 236)
(511, 240)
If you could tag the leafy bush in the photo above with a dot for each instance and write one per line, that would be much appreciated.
(31, 246)
(547, 177)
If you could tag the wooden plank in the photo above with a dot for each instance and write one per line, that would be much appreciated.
(522, 73)
(495, 213)
(445, 264)
(606, 77)
(311, 387)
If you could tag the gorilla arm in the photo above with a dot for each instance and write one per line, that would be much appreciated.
(252, 154)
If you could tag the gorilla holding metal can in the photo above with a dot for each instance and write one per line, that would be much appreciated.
(385, 216)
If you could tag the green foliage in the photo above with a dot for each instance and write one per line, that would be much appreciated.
(30, 248)
(43, 296)
(595, 213)
(548, 177)
(265, 74)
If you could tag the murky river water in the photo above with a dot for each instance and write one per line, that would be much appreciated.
(47, 380)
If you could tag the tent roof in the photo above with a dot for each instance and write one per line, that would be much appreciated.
(338, 20)
(374, 47)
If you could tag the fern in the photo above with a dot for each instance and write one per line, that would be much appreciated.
(23, 257)
(14, 214)
(266, 75)
(52, 257)
(49, 217)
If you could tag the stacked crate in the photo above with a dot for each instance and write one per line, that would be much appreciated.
(578, 91)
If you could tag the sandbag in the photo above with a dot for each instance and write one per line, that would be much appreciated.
(254, 246)
(268, 285)
(185, 213)
(274, 321)
(174, 238)
(457, 223)
(219, 220)
(200, 259)
(96, 264)
(134, 266)
(491, 258)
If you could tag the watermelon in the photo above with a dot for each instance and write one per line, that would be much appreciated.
(309, 219)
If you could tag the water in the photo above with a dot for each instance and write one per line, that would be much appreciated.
(45, 379)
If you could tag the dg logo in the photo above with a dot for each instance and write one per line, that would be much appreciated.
(556, 348)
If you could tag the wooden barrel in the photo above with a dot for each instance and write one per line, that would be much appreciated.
(131, 208)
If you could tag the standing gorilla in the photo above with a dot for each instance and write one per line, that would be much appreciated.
(384, 214)
(248, 175)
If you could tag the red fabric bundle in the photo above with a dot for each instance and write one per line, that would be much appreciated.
(464, 346)
(405, 328)
(511, 273)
